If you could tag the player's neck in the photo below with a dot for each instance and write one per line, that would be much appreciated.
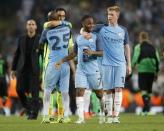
(113, 24)
(87, 31)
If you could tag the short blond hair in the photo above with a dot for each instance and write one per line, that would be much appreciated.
(114, 8)
(143, 36)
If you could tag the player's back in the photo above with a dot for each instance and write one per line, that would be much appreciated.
(58, 39)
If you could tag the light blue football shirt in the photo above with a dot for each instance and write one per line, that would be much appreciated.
(81, 43)
(113, 39)
(57, 39)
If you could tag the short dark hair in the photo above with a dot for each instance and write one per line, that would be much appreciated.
(52, 15)
(86, 17)
(61, 9)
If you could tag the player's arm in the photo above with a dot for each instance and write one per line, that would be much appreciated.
(157, 59)
(127, 52)
(98, 52)
(67, 58)
(93, 53)
(136, 55)
(56, 23)
(15, 60)
(43, 39)
(52, 23)
(70, 47)
(128, 57)
(96, 29)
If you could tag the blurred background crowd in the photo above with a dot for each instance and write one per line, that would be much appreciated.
(136, 15)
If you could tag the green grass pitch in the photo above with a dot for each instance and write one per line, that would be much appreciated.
(129, 122)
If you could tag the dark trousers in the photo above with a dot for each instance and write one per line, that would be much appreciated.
(3, 87)
(145, 81)
(28, 85)
(145, 84)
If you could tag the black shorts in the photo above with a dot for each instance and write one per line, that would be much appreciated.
(145, 81)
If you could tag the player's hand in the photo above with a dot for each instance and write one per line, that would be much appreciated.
(58, 65)
(129, 70)
(87, 36)
(88, 52)
(13, 74)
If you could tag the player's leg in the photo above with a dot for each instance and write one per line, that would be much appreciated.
(80, 85)
(60, 107)
(100, 96)
(119, 83)
(108, 80)
(64, 88)
(117, 104)
(145, 84)
(34, 90)
(52, 96)
(80, 104)
(95, 83)
(21, 91)
(87, 95)
(51, 78)
(95, 104)
(53, 107)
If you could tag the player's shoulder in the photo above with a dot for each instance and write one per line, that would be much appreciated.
(79, 36)
(122, 28)
(137, 46)
(67, 23)
(100, 25)
(94, 35)
(45, 25)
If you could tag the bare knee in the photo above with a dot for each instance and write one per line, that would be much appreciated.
(80, 91)
(118, 89)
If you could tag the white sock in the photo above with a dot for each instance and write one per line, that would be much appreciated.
(87, 95)
(117, 103)
(46, 102)
(102, 105)
(7, 111)
(66, 102)
(80, 107)
(109, 104)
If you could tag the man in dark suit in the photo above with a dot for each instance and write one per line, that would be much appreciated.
(26, 67)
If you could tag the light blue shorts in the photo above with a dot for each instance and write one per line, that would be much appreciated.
(88, 81)
(60, 77)
(113, 76)
(99, 60)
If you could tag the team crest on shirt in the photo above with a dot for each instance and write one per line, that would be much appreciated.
(90, 40)
(121, 34)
